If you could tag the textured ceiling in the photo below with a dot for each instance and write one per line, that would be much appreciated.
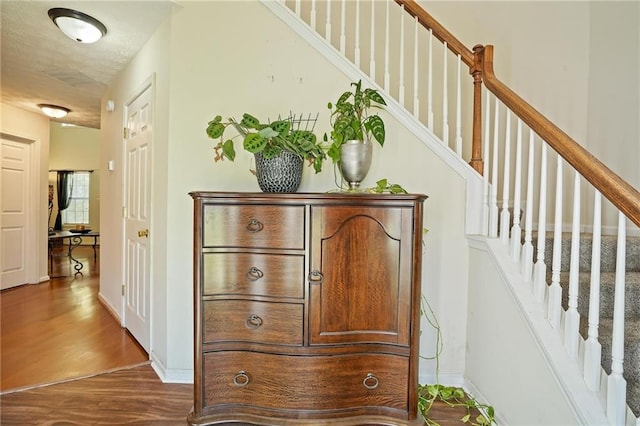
(39, 64)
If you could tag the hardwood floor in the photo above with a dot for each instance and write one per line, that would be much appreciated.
(64, 360)
(58, 330)
(132, 396)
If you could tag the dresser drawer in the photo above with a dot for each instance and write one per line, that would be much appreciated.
(261, 226)
(253, 274)
(252, 321)
(305, 383)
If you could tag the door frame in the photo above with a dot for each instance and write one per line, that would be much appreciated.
(33, 206)
(148, 83)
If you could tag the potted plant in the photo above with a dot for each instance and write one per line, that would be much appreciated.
(279, 147)
(353, 126)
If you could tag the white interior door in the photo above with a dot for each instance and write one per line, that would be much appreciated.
(14, 208)
(137, 166)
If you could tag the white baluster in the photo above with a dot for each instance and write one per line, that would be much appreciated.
(297, 8)
(343, 19)
(356, 52)
(430, 83)
(416, 71)
(401, 78)
(516, 230)
(327, 26)
(312, 17)
(505, 216)
(593, 348)
(485, 166)
(616, 384)
(445, 97)
(572, 317)
(387, 77)
(459, 111)
(493, 206)
(540, 269)
(372, 51)
(527, 249)
(555, 291)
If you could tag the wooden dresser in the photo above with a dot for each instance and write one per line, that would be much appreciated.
(306, 308)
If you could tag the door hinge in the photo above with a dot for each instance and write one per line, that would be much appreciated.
(124, 211)
(123, 289)
(125, 133)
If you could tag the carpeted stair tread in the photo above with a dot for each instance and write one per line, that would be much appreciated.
(607, 292)
(608, 250)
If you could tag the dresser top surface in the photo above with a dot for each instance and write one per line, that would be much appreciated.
(305, 197)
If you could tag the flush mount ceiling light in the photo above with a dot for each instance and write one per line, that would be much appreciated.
(77, 25)
(54, 111)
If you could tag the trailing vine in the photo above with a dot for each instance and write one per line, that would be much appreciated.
(451, 396)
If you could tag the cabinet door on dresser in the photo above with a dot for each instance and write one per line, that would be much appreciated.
(361, 274)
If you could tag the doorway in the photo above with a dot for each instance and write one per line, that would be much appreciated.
(137, 213)
(18, 208)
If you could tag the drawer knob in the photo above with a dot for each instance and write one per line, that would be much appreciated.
(315, 277)
(254, 225)
(254, 274)
(241, 378)
(254, 322)
(371, 381)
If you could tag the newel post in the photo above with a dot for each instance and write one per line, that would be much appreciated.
(476, 71)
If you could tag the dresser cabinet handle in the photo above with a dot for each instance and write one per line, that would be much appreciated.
(371, 381)
(254, 322)
(255, 225)
(241, 378)
(315, 277)
(254, 274)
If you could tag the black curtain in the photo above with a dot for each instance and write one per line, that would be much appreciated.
(64, 195)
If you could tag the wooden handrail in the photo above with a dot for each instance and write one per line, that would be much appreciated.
(621, 194)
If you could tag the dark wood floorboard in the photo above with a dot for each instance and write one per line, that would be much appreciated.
(58, 330)
(132, 396)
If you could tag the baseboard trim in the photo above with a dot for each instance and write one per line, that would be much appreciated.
(109, 308)
(170, 375)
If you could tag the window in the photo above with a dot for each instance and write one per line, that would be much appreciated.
(78, 210)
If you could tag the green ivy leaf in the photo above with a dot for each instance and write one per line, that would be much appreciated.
(466, 418)
(373, 95)
(375, 125)
(458, 393)
(254, 143)
(215, 129)
(281, 127)
(228, 150)
(268, 133)
(250, 121)
(271, 151)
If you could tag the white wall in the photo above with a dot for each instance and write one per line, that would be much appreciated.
(614, 90)
(212, 72)
(33, 126)
(76, 148)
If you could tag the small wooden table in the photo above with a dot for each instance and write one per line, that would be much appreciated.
(75, 239)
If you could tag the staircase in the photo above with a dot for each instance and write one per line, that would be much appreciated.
(607, 291)
(511, 145)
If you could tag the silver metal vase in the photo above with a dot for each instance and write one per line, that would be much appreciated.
(355, 160)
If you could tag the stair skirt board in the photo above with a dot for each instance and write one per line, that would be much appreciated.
(550, 342)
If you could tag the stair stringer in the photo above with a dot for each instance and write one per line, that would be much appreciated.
(555, 368)
(473, 216)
